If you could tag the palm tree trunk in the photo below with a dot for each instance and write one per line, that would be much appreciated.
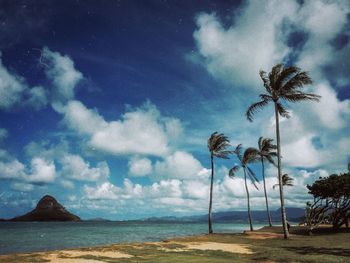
(211, 196)
(266, 201)
(248, 201)
(283, 209)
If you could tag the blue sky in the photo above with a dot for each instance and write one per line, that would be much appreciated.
(108, 106)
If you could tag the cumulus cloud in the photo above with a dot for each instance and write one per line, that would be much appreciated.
(60, 69)
(191, 196)
(252, 42)
(12, 87)
(237, 53)
(22, 187)
(180, 165)
(74, 167)
(318, 51)
(14, 90)
(37, 97)
(42, 171)
(332, 112)
(11, 170)
(140, 131)
(140, 166)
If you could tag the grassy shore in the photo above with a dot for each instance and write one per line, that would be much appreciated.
(265, 245)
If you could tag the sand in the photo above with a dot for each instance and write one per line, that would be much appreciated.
(232, 248)
(71, 256)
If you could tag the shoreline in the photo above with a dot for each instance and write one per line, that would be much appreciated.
(262, 245)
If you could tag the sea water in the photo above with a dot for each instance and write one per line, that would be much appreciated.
(43, 236)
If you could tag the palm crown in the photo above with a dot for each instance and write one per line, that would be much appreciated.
(286, 181)
(218, 144)
(266, 149)
(282, 83)
(250, 155)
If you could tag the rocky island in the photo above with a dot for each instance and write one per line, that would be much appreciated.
(47, 209)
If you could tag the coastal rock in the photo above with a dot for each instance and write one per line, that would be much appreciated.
(47, 209)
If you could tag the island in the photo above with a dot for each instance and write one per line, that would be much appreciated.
(47, 209)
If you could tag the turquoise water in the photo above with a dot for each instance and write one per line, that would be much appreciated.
(43, 236)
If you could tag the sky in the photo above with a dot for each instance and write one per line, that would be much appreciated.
(108, 105)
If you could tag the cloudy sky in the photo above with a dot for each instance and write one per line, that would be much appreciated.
(108, 106)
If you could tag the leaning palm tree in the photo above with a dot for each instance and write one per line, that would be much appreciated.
(286, 181)
(250, 155)
(217, 145)
(266, 152)
(282, 84)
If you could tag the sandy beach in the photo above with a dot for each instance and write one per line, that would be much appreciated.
(264, 245)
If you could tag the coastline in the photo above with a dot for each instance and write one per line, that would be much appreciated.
(262, 245)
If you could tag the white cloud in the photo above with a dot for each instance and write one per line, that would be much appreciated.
(14, 91)
(252, 42)
(332, 112)
(141, 131)
(139, 166)
(74, 167)
(12, 87)
(38, 97)
(11, 170)
(42, 171)
(22, 187)
(60, 69)
(318, 50)
(105, 191)
(67, 184)
(180, 165)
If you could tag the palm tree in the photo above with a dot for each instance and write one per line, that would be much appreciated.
(282, 84)
(286, 181)
(266, 152)
(217, 145)
(250, 155)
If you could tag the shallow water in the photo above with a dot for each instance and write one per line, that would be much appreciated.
(43, 236)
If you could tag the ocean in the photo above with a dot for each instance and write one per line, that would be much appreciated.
(16, 237)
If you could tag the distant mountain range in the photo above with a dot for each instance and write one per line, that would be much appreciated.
(294, 215)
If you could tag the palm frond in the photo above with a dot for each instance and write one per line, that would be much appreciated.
(250, 155)
(252, 177)
(232, 172)
(274, 74)
(270, 159)
(286, 181)
(265, 80)
(300, 96)
(238, 150)
(218, 144)
(286, 74)
(297, 81)
(254, 108)
(260, 142)
(265, 97)
(282, 111)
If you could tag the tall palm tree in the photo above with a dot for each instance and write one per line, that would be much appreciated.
(282, 84)
(217, 145)
(250, 155)
(266, 152)
(286, 181)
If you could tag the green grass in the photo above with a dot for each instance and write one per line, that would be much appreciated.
(319, 248)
